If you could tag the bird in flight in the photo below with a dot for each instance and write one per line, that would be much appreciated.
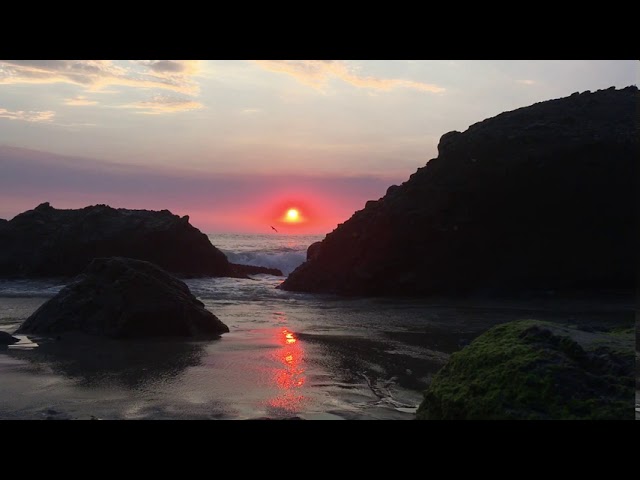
(274, 229)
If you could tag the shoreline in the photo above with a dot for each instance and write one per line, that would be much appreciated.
(346, 350)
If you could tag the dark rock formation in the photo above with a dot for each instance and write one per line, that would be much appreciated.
(542, 197)
(244, 270)
(6, 339)
(120, 298)
(55, 242)
(313, 250)
(536, 370)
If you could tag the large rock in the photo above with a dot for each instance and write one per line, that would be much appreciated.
(542, 197)
(121, 297)
(6, 339)
(47, 241)
(536, 370)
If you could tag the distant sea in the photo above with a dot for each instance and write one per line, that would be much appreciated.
(287, 355)
(276, 250)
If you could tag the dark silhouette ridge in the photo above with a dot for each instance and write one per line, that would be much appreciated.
(244, 270)
(46, 242)
(542, 197)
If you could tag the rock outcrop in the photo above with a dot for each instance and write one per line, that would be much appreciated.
(47, 241)
(313, 250)
(124, 298)
(536, 370)
(543, 197)
(6, 339)
(243, 270)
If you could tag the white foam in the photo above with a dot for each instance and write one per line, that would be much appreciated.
(281, 251)
(286, 261)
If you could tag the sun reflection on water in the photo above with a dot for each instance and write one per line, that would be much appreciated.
(289, 377)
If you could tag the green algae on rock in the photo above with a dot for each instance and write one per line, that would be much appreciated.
(536, 370)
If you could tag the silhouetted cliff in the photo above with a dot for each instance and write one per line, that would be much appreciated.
(543, 197)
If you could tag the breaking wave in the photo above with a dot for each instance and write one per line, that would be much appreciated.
(286, 260)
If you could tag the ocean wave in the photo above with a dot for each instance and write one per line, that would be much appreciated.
(30, 288)
(286, 259)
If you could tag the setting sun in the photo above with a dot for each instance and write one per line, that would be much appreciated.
(292, 215)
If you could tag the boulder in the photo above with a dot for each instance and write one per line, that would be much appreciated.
(536, 370)
(6, 339)
(47, 241)
(539, 198)
(121, 298)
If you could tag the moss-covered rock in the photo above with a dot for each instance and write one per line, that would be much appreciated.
(536, 370)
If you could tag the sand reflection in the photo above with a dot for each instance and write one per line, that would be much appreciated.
(289, 377)
(134, 364)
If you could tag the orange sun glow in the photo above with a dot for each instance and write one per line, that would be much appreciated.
(293, 215)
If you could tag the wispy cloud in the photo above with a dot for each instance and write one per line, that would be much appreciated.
(76, 125)
(164, 104)
(79, 101)
(250, 111)
(95, 75)
(317, 73)
(526, 82)
(171, 67)
(27, 116)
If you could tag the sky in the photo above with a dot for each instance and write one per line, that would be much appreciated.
(235, 144)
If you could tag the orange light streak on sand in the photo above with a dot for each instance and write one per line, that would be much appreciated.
(290, 377)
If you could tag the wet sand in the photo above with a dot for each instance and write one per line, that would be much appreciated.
(295, 356)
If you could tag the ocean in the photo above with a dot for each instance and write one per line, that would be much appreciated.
(287, 355)
(275, 250)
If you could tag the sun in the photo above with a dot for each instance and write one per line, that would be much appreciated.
(293, 215)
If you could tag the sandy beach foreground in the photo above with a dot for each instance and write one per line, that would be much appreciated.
(287, 356)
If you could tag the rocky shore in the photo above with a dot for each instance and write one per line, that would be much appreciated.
(540, 198)
(50, 242)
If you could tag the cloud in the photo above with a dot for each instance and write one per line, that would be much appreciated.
(27, 116)
(173, 67)
(76, 125)
(526, 82)
(316, 73)
(164, 104)
(95, 75)
(250, 111)
(79, 101)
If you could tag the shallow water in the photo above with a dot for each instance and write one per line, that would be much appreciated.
(287, 355)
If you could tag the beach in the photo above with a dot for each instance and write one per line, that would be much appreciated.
(287, 355)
